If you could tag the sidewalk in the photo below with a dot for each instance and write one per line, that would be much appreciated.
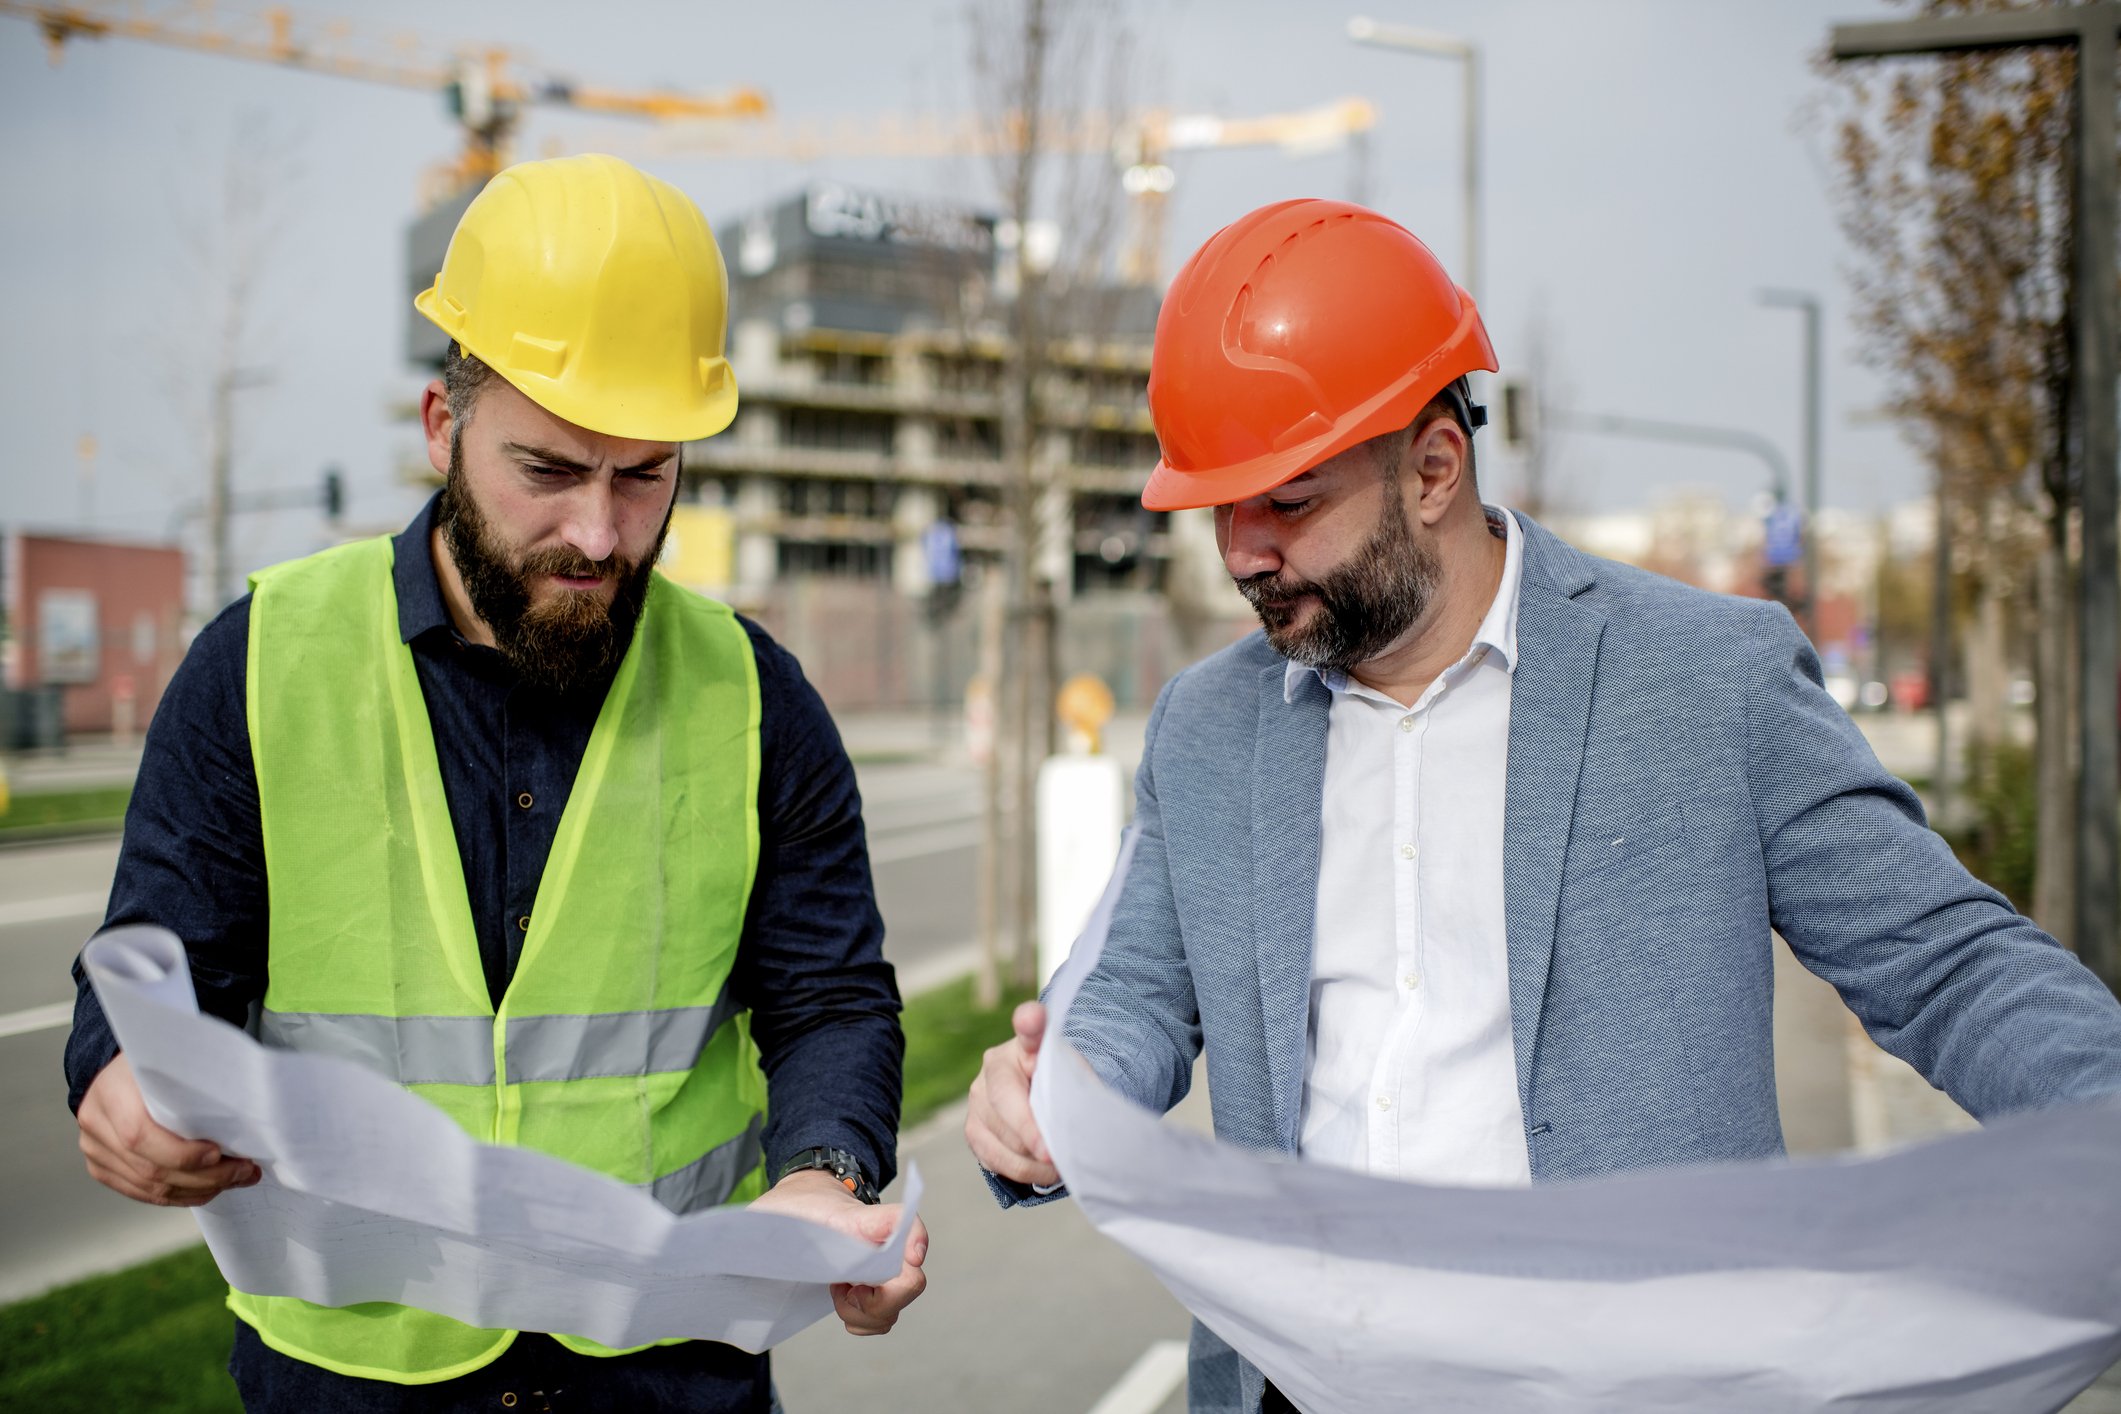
(82, 765)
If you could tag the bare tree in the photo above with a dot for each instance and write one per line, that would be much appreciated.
(1032, 60)
(1952, 185)
(227, 237)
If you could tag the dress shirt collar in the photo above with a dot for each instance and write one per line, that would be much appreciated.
(420, 607)
(1498, 628)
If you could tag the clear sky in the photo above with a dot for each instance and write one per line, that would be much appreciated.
(1647, 170)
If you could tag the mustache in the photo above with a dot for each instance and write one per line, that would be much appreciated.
(1264, 590)
(570, 563)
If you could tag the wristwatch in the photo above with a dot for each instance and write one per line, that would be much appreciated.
(840, 1164)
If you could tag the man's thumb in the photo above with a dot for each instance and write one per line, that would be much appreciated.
(1029, 1020)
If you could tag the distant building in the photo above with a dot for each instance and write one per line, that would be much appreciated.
(868, 341)
(97, 623)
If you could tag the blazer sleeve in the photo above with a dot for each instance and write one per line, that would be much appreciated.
(1938, 966)
(1135, 1019)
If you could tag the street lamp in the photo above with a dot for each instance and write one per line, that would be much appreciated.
(1809, 305)
(1364, 30)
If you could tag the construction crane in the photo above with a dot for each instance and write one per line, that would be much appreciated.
(486, 87)
(1140, 145)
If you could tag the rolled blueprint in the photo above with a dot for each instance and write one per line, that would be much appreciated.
(1981, 1272)
(371, 1194)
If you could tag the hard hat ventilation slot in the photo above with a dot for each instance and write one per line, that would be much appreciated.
(1314, 426)
(544, 357)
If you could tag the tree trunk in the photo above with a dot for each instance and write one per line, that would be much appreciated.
(2055, 745)
(1987, 662)
(993, 609)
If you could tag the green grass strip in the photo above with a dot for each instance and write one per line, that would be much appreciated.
(945, 1037)
(156, 1336)
(43, 810)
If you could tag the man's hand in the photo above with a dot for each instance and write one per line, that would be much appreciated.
(818, 1197)
(129, 1153)
(999, 1125)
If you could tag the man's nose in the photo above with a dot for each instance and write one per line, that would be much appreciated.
(592, 523)
(1247, 541)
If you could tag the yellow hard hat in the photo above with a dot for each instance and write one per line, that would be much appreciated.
(598, 292)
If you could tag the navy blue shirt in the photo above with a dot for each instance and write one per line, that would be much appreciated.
(810, 966)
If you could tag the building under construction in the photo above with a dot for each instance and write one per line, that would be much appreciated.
(867, 336)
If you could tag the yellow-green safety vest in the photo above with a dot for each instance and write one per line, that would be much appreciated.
(617, 1044)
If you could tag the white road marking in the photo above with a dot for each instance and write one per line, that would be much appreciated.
(47, 910)
(37, 1018)
(1149, 1382)
(913, 844)
(886, 819)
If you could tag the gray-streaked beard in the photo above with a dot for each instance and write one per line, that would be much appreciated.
(1363, 606)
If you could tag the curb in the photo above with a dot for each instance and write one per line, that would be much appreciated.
(25, 836)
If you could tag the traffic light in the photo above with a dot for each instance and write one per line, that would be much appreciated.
(334, 494)
(1517, 414)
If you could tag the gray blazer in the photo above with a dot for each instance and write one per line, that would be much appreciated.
(1679, 783)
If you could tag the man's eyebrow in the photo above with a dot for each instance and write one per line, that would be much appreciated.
(548, 457)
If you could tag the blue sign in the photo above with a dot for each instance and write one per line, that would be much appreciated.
(939, 541)
(1785, 536)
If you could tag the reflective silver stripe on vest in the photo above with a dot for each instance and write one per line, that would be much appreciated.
(708, 1181)
(412, 1050)
(612, 1042)
(458, 1050)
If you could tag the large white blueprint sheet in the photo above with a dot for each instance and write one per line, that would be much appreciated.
(1978, 1273)
(372, 1194)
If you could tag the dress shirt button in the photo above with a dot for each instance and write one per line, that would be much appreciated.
(1384, 1102)
(1411, 980)
(523, 923)
(1406, 723)
(1407, 851)
(523, 800)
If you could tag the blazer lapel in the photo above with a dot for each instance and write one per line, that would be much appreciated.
(1288, 781)
(1550, 708)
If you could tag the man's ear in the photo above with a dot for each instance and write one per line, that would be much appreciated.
(436, 422)
(1439, 458)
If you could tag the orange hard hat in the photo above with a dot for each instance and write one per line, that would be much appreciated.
(1293, 334)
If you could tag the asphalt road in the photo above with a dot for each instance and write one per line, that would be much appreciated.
(1027, 1310)
(57, 1225)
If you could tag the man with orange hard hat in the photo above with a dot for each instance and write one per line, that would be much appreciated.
(494, 809)
(1466, 868)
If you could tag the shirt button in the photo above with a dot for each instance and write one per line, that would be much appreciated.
(1406, 724)
(1412, 980)
(1407, 851)
(1384, 1102)
(524, 800)
(523, 923)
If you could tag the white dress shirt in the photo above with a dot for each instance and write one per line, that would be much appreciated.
(1409, 1069)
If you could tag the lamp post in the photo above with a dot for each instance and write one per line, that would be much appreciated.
(1364, 30)
(1808, 304)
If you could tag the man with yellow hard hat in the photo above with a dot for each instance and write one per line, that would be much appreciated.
(492, 808)
(1466, 868)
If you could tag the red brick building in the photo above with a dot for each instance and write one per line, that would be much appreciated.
(102, 620)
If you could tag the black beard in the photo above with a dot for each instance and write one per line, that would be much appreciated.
(571, 643)
(1363, 606)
